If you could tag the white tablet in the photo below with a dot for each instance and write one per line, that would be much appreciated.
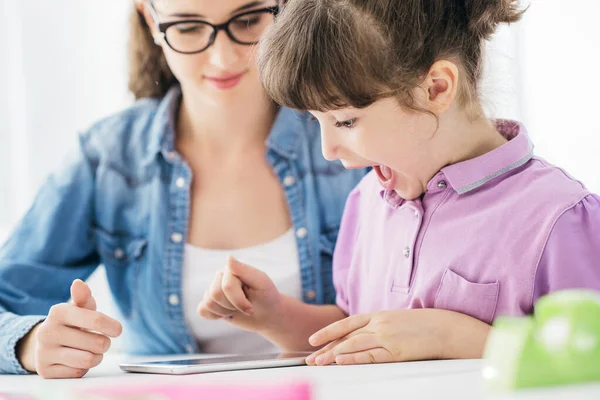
(216, 364)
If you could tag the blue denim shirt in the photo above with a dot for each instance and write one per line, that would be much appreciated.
(120, 202)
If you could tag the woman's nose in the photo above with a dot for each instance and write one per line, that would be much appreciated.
(223, 53)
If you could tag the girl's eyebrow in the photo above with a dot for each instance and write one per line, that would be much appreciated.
(237, 10)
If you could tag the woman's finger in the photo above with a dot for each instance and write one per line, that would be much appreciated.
(76, 317)
(217, 310)
(82, 340)
(60, 372)
(232, 287)
(216, 293)
(73, 358)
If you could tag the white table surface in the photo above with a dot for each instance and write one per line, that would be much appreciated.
(454, 379)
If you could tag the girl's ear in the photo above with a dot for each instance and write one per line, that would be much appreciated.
(441, 86)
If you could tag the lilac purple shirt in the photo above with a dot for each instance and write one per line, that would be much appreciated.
(488, 238)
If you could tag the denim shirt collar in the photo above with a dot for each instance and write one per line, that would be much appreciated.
(286, 133)
(163, 127)
(283, 138)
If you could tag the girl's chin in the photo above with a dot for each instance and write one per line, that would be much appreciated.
(408, 193)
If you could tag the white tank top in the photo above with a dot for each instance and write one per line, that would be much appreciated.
(278, 259)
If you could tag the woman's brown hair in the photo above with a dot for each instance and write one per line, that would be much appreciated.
(329, 54)
(149, 73)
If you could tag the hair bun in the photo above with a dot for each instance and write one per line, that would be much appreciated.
(484, 16)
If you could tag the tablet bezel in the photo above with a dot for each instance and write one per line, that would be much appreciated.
(217, 364)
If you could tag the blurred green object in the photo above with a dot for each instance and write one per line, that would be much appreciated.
(558, 345)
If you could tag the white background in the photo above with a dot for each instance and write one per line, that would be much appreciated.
(63, 65)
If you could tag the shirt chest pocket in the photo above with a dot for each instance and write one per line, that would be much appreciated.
(118, 250)
(478, 300)
(122, 257)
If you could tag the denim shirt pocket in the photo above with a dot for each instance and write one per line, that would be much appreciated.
(478, 300)
(118, 249)
(121, 255)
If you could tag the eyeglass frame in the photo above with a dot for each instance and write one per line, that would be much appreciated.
(163, 26)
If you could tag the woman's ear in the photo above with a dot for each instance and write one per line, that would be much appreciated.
(139, 5)
(142, 7)
(441, 86)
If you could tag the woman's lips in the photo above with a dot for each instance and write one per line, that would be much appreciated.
(224, 82)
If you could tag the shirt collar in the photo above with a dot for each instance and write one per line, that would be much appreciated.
(163, 127)
(283, 138)
(287, 130)
(471, 174)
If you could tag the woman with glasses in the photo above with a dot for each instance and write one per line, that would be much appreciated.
(201, 167)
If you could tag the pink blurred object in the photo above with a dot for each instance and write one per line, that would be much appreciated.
(299, 391)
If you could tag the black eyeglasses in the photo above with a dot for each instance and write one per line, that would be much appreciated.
(193, 36)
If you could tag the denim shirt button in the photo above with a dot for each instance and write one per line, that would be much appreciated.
(310, 294)
(174, 300)
(189, 349)
(177, 237)
(180, 183)
(301, 233)
(289, 181)
(119, 254)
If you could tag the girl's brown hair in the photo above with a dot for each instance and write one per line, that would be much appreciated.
(328, 54)
(149, 73)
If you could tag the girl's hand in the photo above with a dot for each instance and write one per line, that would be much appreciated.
(72, 340)
(243, 296)
(400, 335)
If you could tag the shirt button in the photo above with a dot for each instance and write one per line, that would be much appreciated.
(417, 214)
(119, 253)
(189, 349)
(442, 185)
(174, 300)
(301, 233)
(289, 181)
(310, 294)
(171, 155)
(406, 252)
(177, 237)
(180, 182)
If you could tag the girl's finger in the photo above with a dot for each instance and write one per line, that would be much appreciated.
(339, 329)
(372, 356)
(355, 344)
(310, 360)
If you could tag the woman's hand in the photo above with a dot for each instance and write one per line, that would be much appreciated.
(400, 335)
(243, 296)
(72, 340)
